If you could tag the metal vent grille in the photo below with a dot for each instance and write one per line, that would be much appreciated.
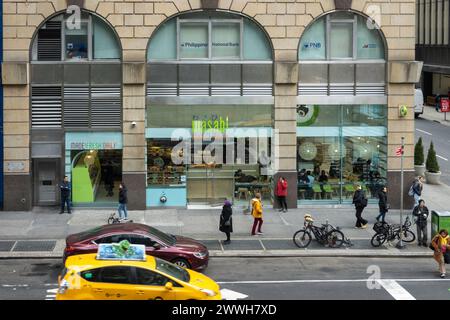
(46, 107)
(164, 91)
(342, 89)
(76, 107)
(194, 91)
(225, 90)
(312, 90)
(105, 107)
(49, 42)
(257, 90)
(370, 90)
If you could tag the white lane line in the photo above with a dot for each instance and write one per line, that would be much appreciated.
(430, 134)
(441, 157)
(51, 296)
(396, 290)
(325, 281)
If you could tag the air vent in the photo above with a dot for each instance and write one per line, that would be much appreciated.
(76, 107)
(105, 107)
(46, 107)
(49, 42)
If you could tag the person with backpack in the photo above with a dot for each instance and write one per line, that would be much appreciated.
(382, 204)
(226, 221)
(360, 202)
(257, 214)
(440, 245)
(421, 213)
(281, 193)
(416, 190)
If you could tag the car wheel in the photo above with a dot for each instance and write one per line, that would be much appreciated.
(181, 263)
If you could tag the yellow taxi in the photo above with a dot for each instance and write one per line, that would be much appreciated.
(86, 277)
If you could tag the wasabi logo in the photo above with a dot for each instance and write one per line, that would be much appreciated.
(307, 114)
(214, 123)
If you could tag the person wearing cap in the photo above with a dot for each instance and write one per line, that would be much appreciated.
(226, 221)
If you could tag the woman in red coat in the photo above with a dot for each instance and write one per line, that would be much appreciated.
(281, 193)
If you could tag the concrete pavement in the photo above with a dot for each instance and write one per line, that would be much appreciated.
(430, 113)
(41, 233)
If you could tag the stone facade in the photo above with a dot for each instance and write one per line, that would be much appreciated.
(135, 21)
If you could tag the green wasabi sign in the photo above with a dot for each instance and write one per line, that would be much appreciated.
(214, 123)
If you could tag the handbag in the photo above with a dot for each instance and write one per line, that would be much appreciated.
(227, 223)
(447, 257)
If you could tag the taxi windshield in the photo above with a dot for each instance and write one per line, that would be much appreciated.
(172, 270)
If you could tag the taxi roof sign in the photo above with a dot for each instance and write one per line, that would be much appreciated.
(121, 251)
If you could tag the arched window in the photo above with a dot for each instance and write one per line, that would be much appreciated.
(207, 54)
(342, 53)
(59, 39)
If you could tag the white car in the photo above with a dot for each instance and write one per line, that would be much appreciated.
(418, 103)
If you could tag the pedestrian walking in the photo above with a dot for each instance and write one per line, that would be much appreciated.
(360, 202)
(281, 193)
(65, 195)
(440, 245)
(226, 221)
(123, 200)
(421, 213)
(382, 204)
(416, 190)
(257, 214)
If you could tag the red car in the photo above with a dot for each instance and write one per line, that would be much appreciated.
(182, 251)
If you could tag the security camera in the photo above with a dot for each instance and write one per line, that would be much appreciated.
(133, 124)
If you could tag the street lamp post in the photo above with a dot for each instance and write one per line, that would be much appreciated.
(400, 244)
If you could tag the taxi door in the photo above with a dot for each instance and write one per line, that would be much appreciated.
(114, 283)
(151, 285)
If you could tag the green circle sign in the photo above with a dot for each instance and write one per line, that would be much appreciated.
(307, 114)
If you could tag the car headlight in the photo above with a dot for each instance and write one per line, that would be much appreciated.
(208, 292)
(200, 255)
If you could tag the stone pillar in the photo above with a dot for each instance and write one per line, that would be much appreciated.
(16, 138)
(286, 75)
(134, 143)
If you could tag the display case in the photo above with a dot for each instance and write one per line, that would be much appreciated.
(86, 176)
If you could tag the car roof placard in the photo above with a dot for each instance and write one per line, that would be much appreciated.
(121, 251)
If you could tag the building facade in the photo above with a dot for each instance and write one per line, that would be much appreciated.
(432, 46)
(139, 91)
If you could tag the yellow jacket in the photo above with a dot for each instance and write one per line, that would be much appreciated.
(256, 208)
(438, 242)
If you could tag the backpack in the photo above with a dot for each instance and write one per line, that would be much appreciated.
(411, 190)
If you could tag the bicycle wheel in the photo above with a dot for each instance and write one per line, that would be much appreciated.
(302, 238)
(335, 239)
(378, 239)
(408, 236)
(110, 220)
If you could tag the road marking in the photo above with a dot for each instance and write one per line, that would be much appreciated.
(396, 290)
(232, 295)
(325, 281)
(52, 290)
(441, 157)
(284, 220)
(430, 134)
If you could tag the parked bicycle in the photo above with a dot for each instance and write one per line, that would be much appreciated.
(114, 219)
(386, 232)
(326, 234)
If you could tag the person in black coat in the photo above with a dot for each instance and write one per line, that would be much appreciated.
(360, 202)
(123, 200)
(382, 204)
(226, 221)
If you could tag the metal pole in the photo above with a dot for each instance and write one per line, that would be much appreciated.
(400, 244)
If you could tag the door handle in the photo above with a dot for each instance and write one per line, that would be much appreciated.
(98, 290)
(140, 292)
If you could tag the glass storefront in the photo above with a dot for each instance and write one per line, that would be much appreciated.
(339, 147)
(231, 170)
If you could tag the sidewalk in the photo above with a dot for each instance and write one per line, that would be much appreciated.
(41, 233)
(430, 113)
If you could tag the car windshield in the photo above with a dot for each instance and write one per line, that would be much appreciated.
(172, 270)
(166, 238)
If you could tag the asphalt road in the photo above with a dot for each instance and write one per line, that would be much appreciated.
(271, 278)
(440, 135)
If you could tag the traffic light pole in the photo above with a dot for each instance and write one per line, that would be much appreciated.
(400, 244)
